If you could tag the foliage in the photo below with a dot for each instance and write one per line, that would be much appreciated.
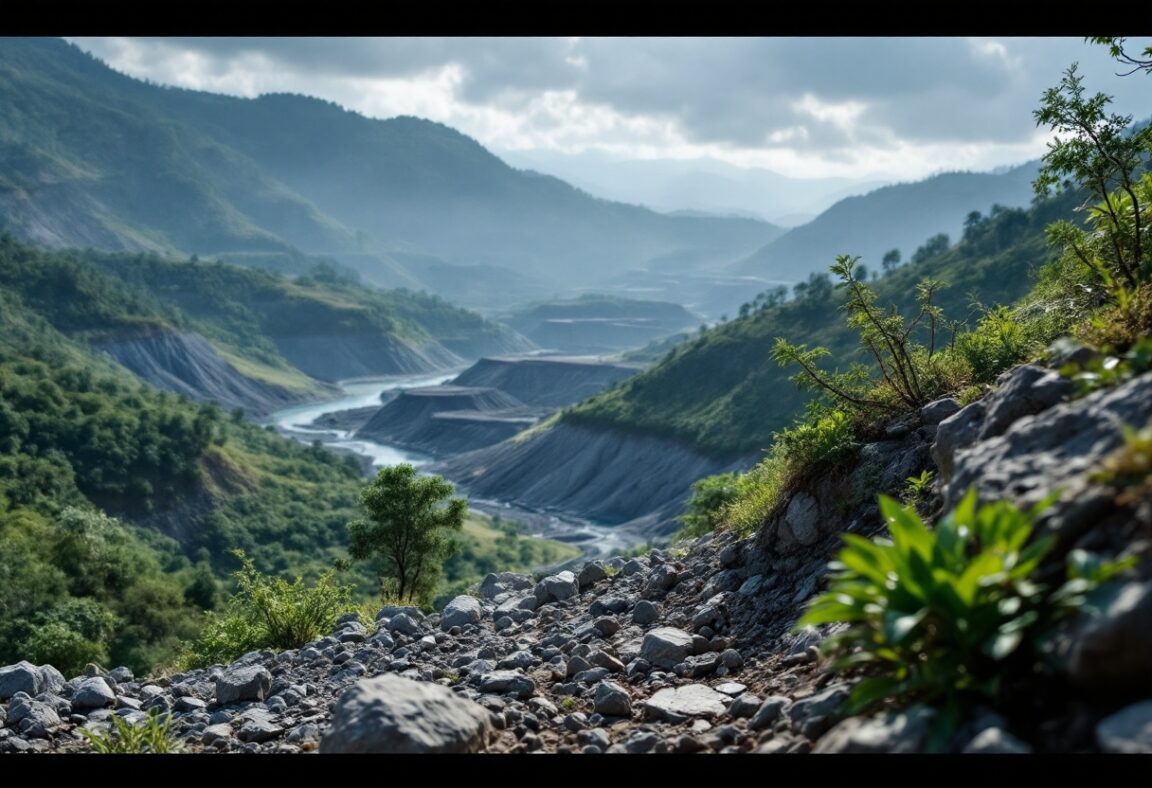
(909, 374)
(407, 528)
(1129, 468)
(1110, 369)
(705, 509)
(916, 488)
(149, 736)
(934, 614)
(269, 612)
(1104, 155)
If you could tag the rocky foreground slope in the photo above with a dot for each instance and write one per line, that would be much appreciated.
(689, 649)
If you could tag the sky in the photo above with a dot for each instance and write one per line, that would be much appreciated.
(881, 108)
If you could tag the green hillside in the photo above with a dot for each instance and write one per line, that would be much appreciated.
(722, 393)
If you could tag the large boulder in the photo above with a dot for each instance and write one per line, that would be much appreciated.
(392, 714)
(248, 682)
(557, 588)
(460, 612)
(93, 693)
(21, 677)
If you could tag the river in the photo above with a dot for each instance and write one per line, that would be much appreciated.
(296, 422)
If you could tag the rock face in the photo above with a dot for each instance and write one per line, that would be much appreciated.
(186, 364)
(391, 714)
(551, 382)
(1128, 730)
(591, 472)
(1114, 650)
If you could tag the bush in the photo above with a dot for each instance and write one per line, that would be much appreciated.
(269, 612)
(150, 736)
(934, 614)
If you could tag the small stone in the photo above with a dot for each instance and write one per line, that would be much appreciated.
(731, 688)
(633, 566)
(1128, 730)
(592, 572)
(666, 647)
(251, 682)
(215, 733)
(391, 714)
(602, 659)
(608, 604)
(557, 588)
(679, 703)
(189, 704)
(508, 682)
(612, 700)
(821, 704)
(936, 411)
(891, 732)
(770, 711)
(606, 626)
(745, 706)
(259, 731)
(731, 659)
(307, 732)
(996, 741)
(645, 612)
(405, 624)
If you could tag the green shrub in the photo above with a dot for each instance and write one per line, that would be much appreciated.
(933, 614)
(269, 612)
(705, 509)
(151, 736)
(916, 488)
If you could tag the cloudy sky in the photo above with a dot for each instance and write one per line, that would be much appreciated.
(891, 108)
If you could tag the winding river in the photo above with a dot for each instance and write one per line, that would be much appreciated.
(297, 422)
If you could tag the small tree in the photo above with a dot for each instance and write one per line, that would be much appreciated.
(407, 527)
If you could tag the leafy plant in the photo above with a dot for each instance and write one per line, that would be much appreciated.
(916, 488)
(933, 614)
(1129, 468)
(150, 736)
(269, 612)
(705, 509)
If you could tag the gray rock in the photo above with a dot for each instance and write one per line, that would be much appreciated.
(122, 674)
(732, 689)
(1056, 449)
(663, 578)
(606, 626)
(215, 733)
(956, 432)
(1019, 392)
(751, 586)
(676, 704)
(404, 623)
(496, 584)
(996, 741)
(891, 732)
(769, 713)
(666, 647)
(248, 682)
(602, 659)
(557, 588)
(645, 612)
(259, 731)
(731, 659)
(938, 410)
(609, 604)
(802, 518)
(32, 718)
(1128, 730)
(1113, 650)
(821, 704)
(461, 612)
(189, 704)
(93, 693)
(612, 700)
(391, 714)
(21, 677)
(508, 682)
(633, 566)
(391, 611)
(592, 675)
(517, 604)
(309, 731)
(745, 706)
(53, 680)
(591, 573)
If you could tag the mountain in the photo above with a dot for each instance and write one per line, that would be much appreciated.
(704, 184)
(94, 158)
(899, 217)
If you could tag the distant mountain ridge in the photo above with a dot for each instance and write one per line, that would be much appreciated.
(90, 157)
